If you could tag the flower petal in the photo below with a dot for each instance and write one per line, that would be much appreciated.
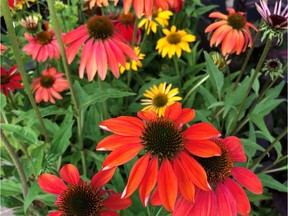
(186, 116)
(173, 111)
(182, 207)
(205, 203)
(108, 213)
(201, 131)
(203, 148)
(155, 198)
(225, 200)
(147, 115)
(115, 202)
(102, 177)
(51, 184)
(70, 174)
(235, 148)
(57, 213)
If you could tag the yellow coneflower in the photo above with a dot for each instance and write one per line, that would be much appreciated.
(132, 63)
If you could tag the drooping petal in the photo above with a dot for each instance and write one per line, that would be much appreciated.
(235, 148)
(248, 179)
(70, 174)
(225, 200)
(115, 202)
(182, 207)
(136, 175)
(167, 185)
(201, 131)
(155, 198)
(205, 203)
(102, 177)
(203, 148)
(51, 184)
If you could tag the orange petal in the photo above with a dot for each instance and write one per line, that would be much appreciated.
(173, 111)
(201, 131)
(167, 185)
(215, 25)
(155, 198)
(70, 174)
(122, 155)
(203, 148)
(218, 15)
(186, 116)
(235, 148)
(115, 202)
(138, 6)
(149, 180)
(51, 184)
(102, 177)
(136, 175)
(147, 115)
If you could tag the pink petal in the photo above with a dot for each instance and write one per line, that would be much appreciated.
(226, 201)
(235, 148)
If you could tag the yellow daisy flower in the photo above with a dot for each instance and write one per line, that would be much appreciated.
(133, 64)
(160, 97)
(174, 42)
(161, 18)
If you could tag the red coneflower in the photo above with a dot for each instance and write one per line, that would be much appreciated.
(48, 85)
(167, 145)
(80, 197)
(228, 197)
(10, 80)
(103, 47)
(232, 31)
(42, 46)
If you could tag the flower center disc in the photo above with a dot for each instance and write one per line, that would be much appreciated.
(277, 20)
(174, 38)
(274, 65)
(47, 81)
(5, 79)
(127, 19)
(160, 100)
(162, 138)
(237, 21)
(100, 27)
(78, 200)
(218, 168)
(44, 37)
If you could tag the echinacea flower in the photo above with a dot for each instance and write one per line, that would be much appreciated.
(2, 48)
(231, 30)
(42, 46)
(103, 47)
(125, 24)
(48, 86)
(159, 98)
(227, 197)
(276, 22)
(274, 68)
(99, 3)
(10, 80)
(166, 145)
(80, 197)
(161, 18)
(30, 23)
(174, 42)
(133, 65)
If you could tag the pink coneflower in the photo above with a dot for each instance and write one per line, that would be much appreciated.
(2, 48)
(80, 197)
(10, 80)
(49, 85)
(227, 197)
(42, 46)
(103, 47)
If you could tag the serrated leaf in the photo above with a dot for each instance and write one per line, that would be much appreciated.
(270, 182)
(33, 191)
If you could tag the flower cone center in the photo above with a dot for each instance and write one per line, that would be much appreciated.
(174, 38)
(273, 65)
(237, 21)
(100, 27)
(47, 81)
(162, 138)
(79, 200)
(277, 20)
(160, 100)
(127, 19)
(44, 37)
(5, 79)
(218, 168)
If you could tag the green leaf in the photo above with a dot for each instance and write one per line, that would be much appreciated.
(202, 10)
(259, 122)
(266, 106)
(37, 155)
(250, 145)
(31, 195)
(216, 76)
(3, 102)
(10, 187)
(270, 182)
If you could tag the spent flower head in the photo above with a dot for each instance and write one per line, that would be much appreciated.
(274, 68)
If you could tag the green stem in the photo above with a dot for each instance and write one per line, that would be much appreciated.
(273, 164)
(258, 67)
(64, 23)
(104, 104)
(177, 70)
(16, 50)
(259, 159)
(77, 110)
(16, 162)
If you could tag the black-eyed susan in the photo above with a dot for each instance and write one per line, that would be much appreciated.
(174, 42)
(159, 98)
(132, 64)
(159, 18)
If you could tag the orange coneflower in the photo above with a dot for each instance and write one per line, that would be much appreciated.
(103, 47)
(231, 30)
(80, 197)
(167, 145)
(227, 197)
(10, 80)
(48, 86)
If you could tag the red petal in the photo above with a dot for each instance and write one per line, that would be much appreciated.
(195, 171)
(115, 141)
(149, 180)
(108, 213)
(136, 175)
(186, 116)
(114, 202)
(167, 185)
(122, 127)
(173, 111)
(242, 202)
(235, 148)
(51, 184)
(147, 115)
(70, 174)
(102, 177)
(248, 179)
(203, 148)
(122, 155)
(155, 198)
(225, 200)
(185, 184)
(205, 203)
(57, 213)
(201, 131)
(182, 207)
